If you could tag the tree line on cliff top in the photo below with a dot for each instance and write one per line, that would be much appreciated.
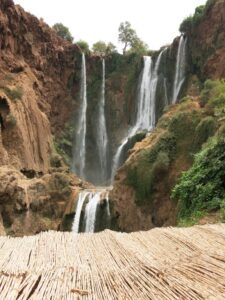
(127, 36)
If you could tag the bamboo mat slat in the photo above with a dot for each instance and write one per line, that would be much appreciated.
(163, 263)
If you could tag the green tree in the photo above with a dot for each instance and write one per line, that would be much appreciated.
(102, 49)
(111, 48)
(128, 36)
(139, 47)
(63, 31)
(83, 46)
(99, 48)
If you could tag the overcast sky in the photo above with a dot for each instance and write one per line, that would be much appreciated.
(155, 21)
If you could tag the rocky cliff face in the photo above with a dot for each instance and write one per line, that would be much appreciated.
(29, 206)
(36, 66)
(143, 185)
(207, 42)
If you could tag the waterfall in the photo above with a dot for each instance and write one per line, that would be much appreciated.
(80, 203)
(107, 205)
(145, 119)
(79, 152)
(165, 91)
(90, 212)
(144, 114)
(92, 201)
(180, 68)
(102, 137)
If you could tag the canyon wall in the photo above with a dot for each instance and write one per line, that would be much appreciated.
(143, 186)
(36, 67)
(39, 104)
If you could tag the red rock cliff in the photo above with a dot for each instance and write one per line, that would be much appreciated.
(35, 66)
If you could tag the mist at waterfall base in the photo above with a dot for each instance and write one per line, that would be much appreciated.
(93, 207)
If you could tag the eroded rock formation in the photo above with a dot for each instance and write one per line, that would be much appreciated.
(31, 205)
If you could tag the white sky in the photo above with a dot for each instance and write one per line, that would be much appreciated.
(155, 21)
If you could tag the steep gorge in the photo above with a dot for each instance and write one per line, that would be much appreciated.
(39, 104)
(143, 186)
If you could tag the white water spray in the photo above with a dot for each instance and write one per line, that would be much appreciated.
(80, 203)
(102, 137)
(90, 212)
(91, 200)
(79, 154)
(146, 106)
(180, 68)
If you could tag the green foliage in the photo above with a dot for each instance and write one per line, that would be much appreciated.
(221, 130)
(128, 36)
(63, 145)
(172, 151)
(63, 32)
(213, 97)
(201, 188)
(139, 47)
(100, 48)
(222, 210)
(190, 22)
(192, 220)
(83, 46)
(151, 163)
(183, 124)
(162, 163)
(111, 48)
(134, 61)
(204, 130)
(14, 94)
(186, 25)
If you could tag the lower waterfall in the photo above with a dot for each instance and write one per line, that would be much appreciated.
(92, 205)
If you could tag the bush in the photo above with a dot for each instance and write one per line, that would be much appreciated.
(183, 123)
(186, 25)
(213, 97)
(83, 46)
(63, 32)
(201, 188)
(161, 164)
(204, 130)
(191, 21)
(14, 94)
(150, 164)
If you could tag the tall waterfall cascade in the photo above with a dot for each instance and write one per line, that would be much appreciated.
(145, 119)
(90, 204)
(92, 207)
(102, 138)
(79, 153)
(180, 68)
